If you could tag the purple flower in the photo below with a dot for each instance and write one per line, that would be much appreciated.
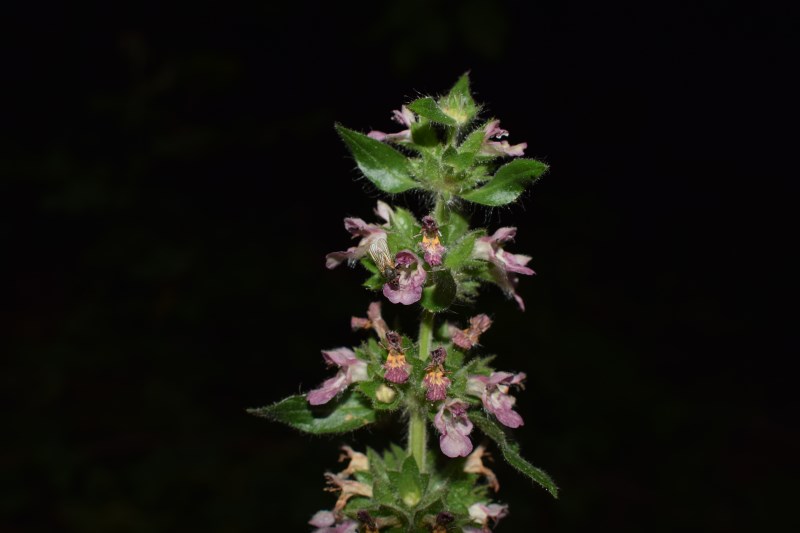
(493, 391)
(504, 266)
(404, 117)
(482, 514)
(397, 368)
(369, 233)
(454, 428)
(467, 338)
(351, 369)
(406, 288)
(325, 522)
(374, 321)
(435, 380)
(430, 241)
(494, 148)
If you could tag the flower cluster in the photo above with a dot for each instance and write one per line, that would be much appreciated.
(432, 259)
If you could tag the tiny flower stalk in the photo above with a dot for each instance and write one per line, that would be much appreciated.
(432, 265)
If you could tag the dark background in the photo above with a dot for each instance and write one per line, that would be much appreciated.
(159, 281)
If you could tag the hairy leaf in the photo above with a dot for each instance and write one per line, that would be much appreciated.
(508, 183)
(428, 108)
(510, 451)
(337, 416)
(384, 166)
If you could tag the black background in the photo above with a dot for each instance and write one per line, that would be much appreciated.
(160, 279)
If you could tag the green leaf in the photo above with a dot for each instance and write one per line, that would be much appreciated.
(349, 413)
(510, 451)
(424, 134)
(438, 296)
(471, 145)
(458, 253)
(508, 183)
(405, 225)
(428, 108)
(408, 483)
(452, 224)
(384, 166)
(458, 103)
(382, 488)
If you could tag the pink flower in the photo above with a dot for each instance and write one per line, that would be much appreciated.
(397, 368)
(493, 391)
(467, 338)
(325, 522)
(369, 233)
(435, 380)
(373, 321)
(430, 241)
(351, 369)
(403, 117)
(505, 265)
(454, 428)
(490, 147)
(406, 287)
(482, 514)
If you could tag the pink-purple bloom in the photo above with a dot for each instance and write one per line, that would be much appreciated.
(404, 117)
(373, 321)
(430, 241)
(504, 266)
(325, 522)
(492, 146)
(396, 366)
(493, 391)
(435, 381)
(406, 288)
(454, 428)
(467, 338)
(368, 233)
(482, 514)
(351, 370)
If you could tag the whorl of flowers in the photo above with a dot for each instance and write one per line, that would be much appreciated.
(429, 259)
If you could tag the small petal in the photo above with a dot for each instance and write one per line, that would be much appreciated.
(436, 384)
(359, 462)
(384, 211)
(493, 391)
(328, 390)
(322, 519)
(474, 465)
(408, 287)
(467, 338)
(482, 513)
(454, 427)
(351, 369)
(357, 228)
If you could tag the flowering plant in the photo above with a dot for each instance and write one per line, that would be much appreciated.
(440, 380)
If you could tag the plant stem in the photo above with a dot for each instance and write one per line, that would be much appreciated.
(417, 437)
(417, 425)
(425, 335)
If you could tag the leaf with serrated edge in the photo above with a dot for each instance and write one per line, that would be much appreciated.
(460, 251)
(507, 183)
(381, 164)
(349, 413)
(510, 451)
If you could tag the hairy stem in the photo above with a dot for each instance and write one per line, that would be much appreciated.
(425, 335)
(417, 437)
(417, 426)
